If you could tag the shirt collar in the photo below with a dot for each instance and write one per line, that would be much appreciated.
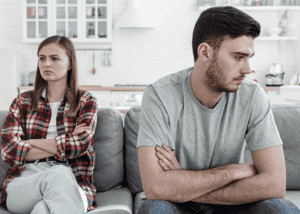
(44, 94)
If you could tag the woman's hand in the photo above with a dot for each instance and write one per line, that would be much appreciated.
(167, 159)
(81, 128)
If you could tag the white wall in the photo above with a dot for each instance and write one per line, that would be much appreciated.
(143, 56)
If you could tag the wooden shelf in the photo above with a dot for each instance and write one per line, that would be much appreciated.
(260, 8)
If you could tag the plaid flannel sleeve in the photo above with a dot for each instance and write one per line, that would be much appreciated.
(13, 148)
(72, 145)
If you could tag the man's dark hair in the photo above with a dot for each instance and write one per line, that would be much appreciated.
(215, 23)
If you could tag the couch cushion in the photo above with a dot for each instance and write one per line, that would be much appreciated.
(113, 201)
(293, 196)
(287, 119)
(131, 156)
(108, 145)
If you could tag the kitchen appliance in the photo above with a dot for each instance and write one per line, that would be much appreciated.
(275, 75)
(135, 17)
(295, 80)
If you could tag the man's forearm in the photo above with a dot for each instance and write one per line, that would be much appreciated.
(184, 185)
(255, 188)
(48, 145)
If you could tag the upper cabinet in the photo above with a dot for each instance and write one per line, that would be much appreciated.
(83, 21)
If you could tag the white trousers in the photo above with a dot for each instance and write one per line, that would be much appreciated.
(44, 188)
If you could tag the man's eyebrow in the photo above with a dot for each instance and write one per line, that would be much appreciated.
(244, 54)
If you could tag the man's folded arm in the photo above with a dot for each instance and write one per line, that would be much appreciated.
(270, 182)
(184, 185)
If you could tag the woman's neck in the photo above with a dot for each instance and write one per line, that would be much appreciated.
(55, 92)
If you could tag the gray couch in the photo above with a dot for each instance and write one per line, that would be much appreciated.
(117, 175)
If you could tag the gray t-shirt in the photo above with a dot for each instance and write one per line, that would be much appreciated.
(200, 137)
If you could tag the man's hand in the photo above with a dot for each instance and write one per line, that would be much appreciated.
(81, 128)
(244, 170)
(167, 159)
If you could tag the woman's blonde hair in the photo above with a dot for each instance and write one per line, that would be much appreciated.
(72, 80)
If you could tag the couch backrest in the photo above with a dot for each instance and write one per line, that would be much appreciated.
(131, 157)
(287, 119)
(108, 145)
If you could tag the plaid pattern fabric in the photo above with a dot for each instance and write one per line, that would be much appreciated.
(21, 125)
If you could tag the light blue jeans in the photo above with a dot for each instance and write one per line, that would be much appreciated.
(44, 188)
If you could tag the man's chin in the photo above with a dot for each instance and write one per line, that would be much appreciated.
(229, 90)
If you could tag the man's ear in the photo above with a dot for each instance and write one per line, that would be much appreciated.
(204, 52)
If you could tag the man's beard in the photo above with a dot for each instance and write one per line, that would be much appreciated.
(215, 77)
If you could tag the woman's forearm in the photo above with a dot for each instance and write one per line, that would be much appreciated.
(48, 145)
(36, 154)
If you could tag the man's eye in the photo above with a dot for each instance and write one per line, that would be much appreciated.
(239, 57)
(41, 58)
(54, 58)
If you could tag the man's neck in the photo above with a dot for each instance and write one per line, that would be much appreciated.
(204, 94)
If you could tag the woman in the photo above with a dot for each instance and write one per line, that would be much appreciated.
(48, 137)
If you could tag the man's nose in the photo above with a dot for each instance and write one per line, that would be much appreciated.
(246, 69)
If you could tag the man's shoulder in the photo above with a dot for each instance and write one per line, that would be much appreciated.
(169, 90)
(172, 81)
(249, 92)
(249, 88)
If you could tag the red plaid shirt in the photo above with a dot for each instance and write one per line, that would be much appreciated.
(21, 125)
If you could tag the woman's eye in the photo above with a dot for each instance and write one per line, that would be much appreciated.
(41, 58)
(54, 58)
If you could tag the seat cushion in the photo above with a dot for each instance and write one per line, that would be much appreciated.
(131, 156)
(293, 196)
(108, 145)
(113, 201)
(117, 200)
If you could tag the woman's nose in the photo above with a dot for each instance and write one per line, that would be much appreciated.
(47, 63)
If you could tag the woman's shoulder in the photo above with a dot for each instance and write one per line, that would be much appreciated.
(87, 96)
(24, 98)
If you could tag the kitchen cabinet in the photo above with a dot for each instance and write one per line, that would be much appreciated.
(83, 21)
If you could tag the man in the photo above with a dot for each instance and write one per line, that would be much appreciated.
(193, 124)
